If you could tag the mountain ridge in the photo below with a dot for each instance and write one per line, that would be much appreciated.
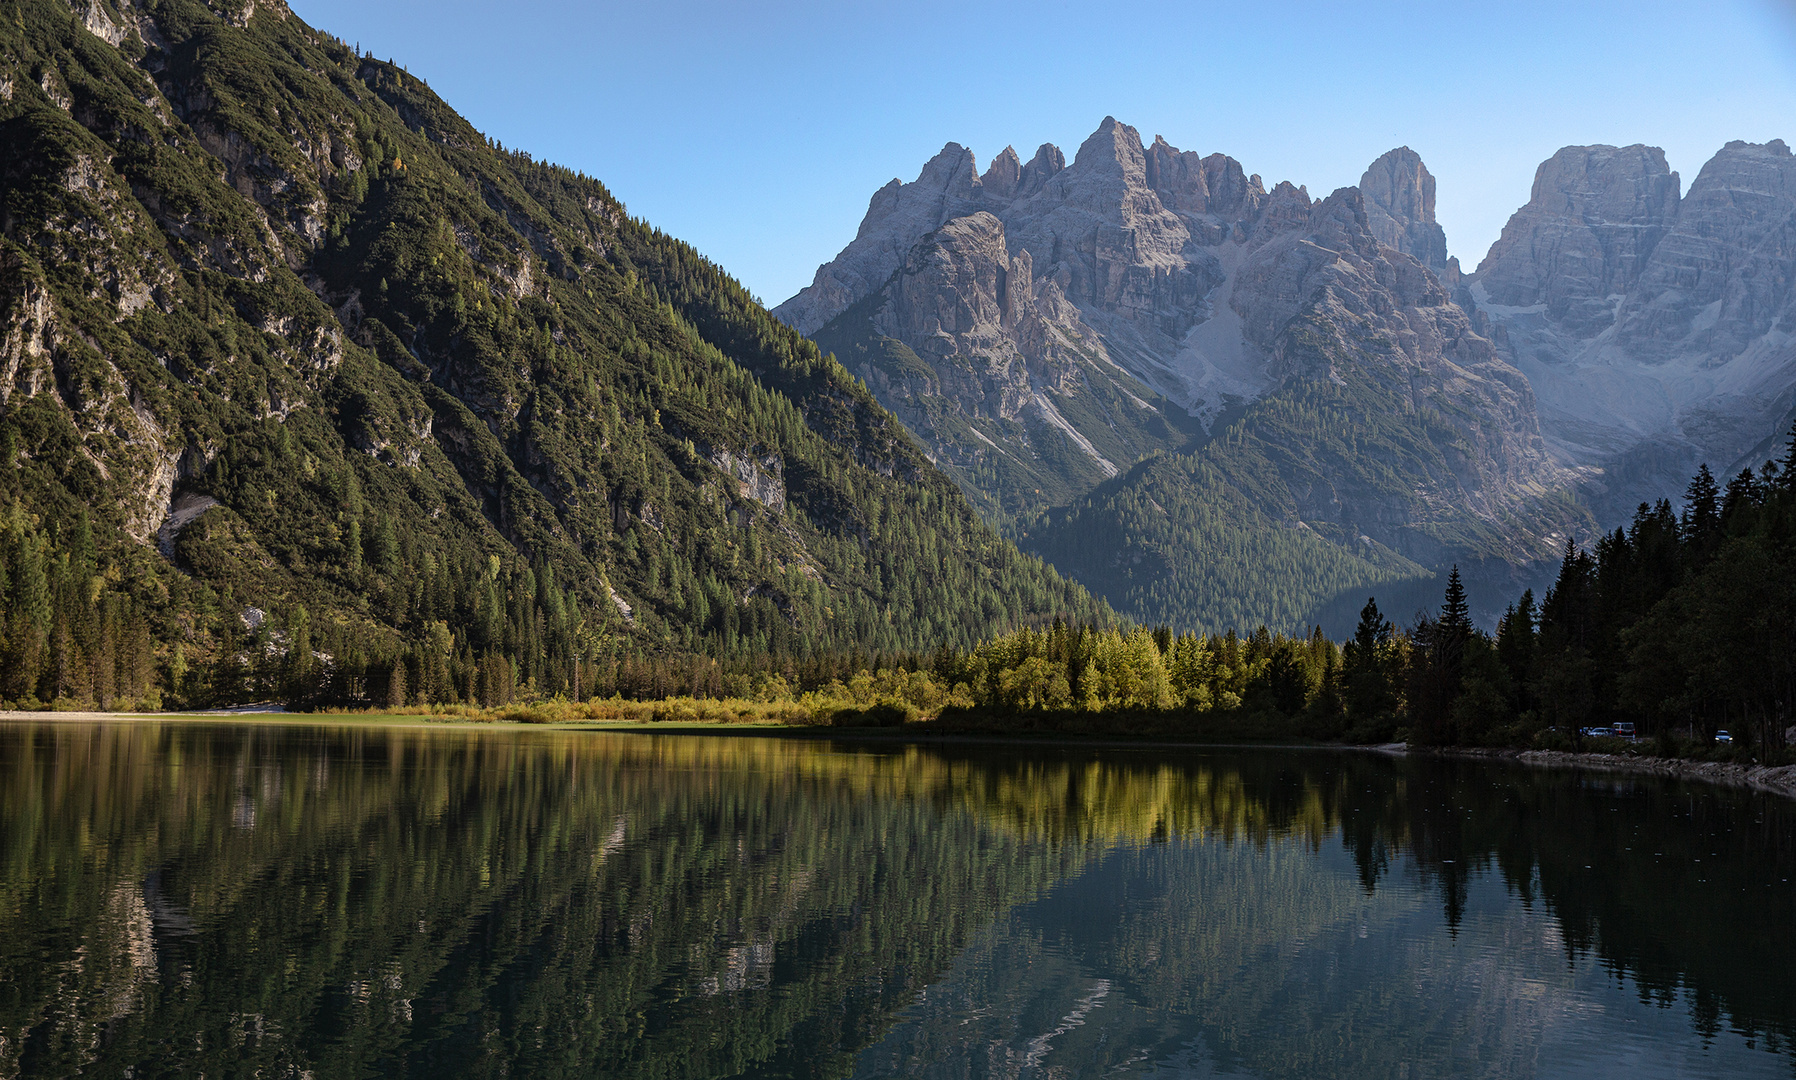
(438, 408)
(1181, 282)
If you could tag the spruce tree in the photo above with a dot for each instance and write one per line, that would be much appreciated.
(9, 460)
(1456, 614)
(1566, 609)
(1702, 506)
(1743, 491)
(1516, 643)
(396, 684)
(1374, 629)
(1449, 636)
(1369, 683)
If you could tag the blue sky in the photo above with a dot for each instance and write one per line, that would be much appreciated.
(757, 132)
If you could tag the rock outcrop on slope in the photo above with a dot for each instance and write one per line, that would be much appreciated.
(1657, 331)
(1043, 328)
(1399, 194)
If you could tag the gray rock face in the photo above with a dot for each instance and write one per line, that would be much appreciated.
(976, 354)
(1129, 235)
(1399, 195)
(1583, 239)
(1720, 280)
(898, 216)
(1656, 331)
(1332, 306)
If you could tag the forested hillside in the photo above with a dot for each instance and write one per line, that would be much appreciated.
(309, 388)
(1362, 472)
(1683, 624)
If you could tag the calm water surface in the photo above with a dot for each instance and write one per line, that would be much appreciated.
(178, 900)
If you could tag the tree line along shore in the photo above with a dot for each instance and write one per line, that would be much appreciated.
(1682, 623)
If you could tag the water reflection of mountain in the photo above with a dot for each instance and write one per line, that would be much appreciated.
(359, 901)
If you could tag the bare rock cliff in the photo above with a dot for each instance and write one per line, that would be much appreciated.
(1655, 330)
(1399, 196)
(1594, 218)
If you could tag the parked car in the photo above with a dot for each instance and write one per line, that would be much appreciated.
(1723, 736)
(1625, 730)
(1596, 732)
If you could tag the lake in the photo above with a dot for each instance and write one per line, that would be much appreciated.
(299, 901)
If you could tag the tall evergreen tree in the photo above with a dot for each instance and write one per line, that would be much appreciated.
(1456, 613)
(1369, 677)
(1744, 493)
(1702, 507)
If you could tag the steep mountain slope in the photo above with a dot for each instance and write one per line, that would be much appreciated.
(1657, 331)
(1012, 393)
(1314, 412)
(274, 309)
(1392, 440)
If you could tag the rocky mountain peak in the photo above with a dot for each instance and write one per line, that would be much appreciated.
(1399, 197)
(1774, 148)
(1652, 327)
(1234, 195)
(898, 216)
(1044, 166)
(1004, 175)
(1592, 221)
(1720, 279)
(1178, 178)
(952, 171)
(1114, 148)
(1285, 208)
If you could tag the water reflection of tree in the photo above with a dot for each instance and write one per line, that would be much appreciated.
(229, 899)
(402, 904)
(1678, 887)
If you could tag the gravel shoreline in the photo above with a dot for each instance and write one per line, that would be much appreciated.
(1775, 779)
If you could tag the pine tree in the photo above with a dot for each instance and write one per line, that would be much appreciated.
(9, 461)
(1369, 689)
(297, 675)
(1743, 492)
(353, 547)
(1374, 629)
(1516, 645)
(177, 671)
